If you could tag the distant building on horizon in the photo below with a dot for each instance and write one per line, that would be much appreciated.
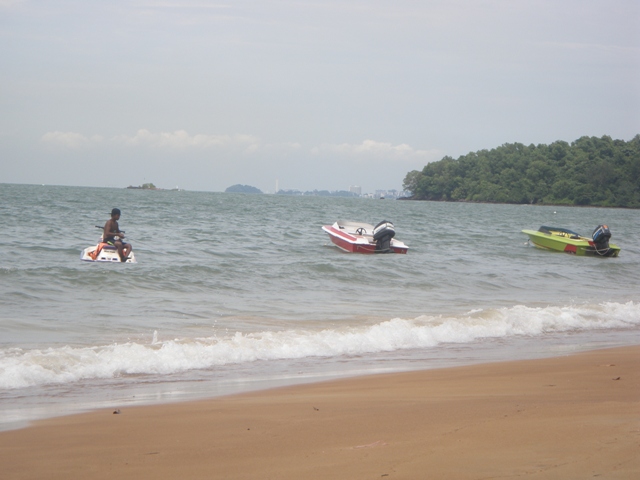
(355, 189)
(386, 194)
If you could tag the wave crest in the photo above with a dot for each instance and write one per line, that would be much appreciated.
(24, 368)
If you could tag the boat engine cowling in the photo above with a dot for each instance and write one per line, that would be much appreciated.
(601, 236)
(383, 232)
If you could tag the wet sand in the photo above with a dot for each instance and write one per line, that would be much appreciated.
(571, 417)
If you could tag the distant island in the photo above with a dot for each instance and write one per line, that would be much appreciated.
(151, 186)
(590, 171)
(242, 189)
(145, 186)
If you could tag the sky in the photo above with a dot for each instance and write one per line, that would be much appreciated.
(316, 94)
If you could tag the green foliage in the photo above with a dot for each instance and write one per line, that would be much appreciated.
(589, 171)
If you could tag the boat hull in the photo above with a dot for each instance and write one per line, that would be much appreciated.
(104, 253)
(565, 242)
(344, 236)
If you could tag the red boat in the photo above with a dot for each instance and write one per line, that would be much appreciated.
(358, 237)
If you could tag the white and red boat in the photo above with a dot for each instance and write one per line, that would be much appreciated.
(358, 237)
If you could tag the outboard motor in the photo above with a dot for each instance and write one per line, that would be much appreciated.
(601, 236)
(382, 234)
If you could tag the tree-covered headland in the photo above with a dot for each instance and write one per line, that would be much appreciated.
(590, 171)
(238, 188)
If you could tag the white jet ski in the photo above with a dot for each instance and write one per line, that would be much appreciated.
(103, 252)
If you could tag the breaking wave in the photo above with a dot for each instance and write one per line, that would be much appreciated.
(21, 368)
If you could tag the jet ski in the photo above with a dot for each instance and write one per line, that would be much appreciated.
(104, 252)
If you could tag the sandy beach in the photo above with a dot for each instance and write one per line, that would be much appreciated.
(572, 417)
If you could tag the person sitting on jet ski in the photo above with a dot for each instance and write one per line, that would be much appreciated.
(111, 231)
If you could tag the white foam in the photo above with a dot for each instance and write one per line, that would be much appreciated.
(23, 368)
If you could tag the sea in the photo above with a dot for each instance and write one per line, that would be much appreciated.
(237, 292)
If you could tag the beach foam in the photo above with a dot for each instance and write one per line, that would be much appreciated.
(20, 367)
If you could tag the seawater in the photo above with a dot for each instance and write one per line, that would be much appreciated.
(237, 292)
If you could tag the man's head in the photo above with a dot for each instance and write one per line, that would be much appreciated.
(115, 212)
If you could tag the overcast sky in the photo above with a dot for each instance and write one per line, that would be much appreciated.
(318, 94)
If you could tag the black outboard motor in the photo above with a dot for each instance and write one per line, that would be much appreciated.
(601, 236)
(382, 234)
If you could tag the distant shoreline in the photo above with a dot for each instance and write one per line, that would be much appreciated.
(132, 187)
(525, 204)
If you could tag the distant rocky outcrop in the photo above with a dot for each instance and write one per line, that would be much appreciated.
(145, 186)
(242, 189)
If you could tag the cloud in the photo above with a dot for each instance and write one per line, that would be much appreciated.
(372, 148)
(180, 139)
(590, 47)
(177, 140)
(9, 3)
(247, 144)
(71, 140)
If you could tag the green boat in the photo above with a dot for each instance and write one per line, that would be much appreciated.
(563, 240)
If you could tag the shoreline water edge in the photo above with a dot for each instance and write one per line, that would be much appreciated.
(573, 416)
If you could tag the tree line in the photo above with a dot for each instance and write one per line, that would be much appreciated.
(590, 171)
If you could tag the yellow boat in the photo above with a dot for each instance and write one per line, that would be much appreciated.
(563, 240)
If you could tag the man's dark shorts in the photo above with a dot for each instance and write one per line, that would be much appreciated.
(112, 241)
